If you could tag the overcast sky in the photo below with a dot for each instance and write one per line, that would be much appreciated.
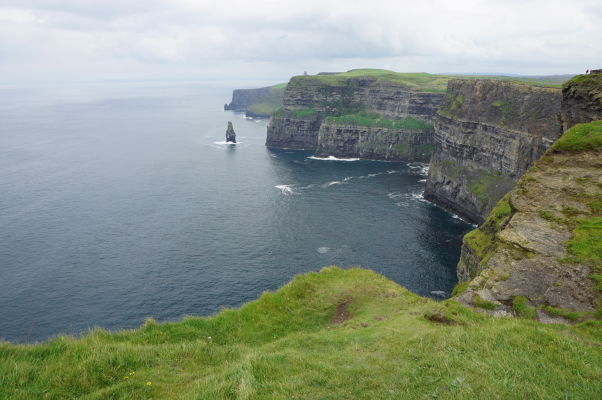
(64, 40)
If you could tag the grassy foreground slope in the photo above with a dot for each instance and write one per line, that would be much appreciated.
(336, 334)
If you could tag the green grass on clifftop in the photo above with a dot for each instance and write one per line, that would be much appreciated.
(585, 82)
(581, 137)
(336, 334)
(419, 81)
(375, 120)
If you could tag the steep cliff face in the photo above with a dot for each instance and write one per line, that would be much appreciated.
(377, 143)
(294, 130)
(540, 250)
(582, 99)
(308, 100)
(260, 102)
(387, 98)
(487, 134)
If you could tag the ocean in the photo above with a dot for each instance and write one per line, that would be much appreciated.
(121, 201)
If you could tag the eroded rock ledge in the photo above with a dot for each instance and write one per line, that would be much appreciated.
(539, 253)
(524, 248)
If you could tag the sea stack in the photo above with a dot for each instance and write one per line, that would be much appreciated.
(230, 134)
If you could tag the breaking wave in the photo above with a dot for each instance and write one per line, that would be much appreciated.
(286, 190)
(332, 158)
(224, 143)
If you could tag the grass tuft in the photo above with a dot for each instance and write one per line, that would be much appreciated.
(520, 305)
(481, 303)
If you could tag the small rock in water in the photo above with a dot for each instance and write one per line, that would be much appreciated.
(230, 134)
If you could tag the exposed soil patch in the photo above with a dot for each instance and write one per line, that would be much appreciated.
(342, 312)
(439, 318)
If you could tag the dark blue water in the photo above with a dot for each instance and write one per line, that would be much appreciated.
(118, 202)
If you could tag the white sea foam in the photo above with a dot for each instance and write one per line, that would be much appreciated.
(285, 189)
(392, 171)
(323, 250)
(404, 199)
(308, 186)
(422, 180)
(333, 183)
(422, 169)
(455, 216)
(332, 158)
(347, 179)
(224, 143)
(418, 196)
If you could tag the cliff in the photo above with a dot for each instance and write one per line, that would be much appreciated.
(336, 334)
(373, 101)
(539, 253)
(342, 137)
(260, 102)
(487, 133)
(540, 250)
(582, 99)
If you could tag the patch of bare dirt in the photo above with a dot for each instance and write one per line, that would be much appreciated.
(439, 318)
(342, 312)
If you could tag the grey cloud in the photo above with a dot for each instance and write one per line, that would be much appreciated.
(86, 39)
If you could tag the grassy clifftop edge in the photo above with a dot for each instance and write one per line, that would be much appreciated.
(418, 81)
(329, 334)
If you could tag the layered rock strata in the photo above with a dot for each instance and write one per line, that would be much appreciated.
(540, 251)
(377, 143)
(536, 254)
(309, 99)
(487, 133)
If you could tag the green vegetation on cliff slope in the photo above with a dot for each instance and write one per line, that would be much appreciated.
(336, 334)
(482, 240)
(563, 188)
(269, 104)
(586, 82)
(581, 137)
(375, 120)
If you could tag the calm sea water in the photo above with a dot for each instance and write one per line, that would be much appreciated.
(120, 202)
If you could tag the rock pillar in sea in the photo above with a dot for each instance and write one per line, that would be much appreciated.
(230, 134)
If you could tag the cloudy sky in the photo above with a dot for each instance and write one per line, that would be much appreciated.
(86, 40)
